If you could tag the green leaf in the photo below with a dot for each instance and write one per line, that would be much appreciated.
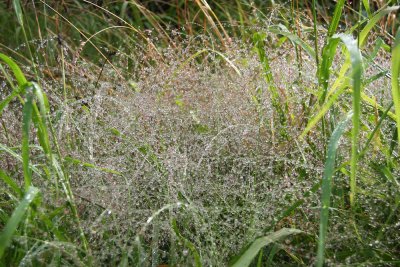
(90, 165)
(26, 123)
(328, 55)
(10, 182)
(336, 17)
(395, 79)
(247, 256)
(18, 12)
(19, 76)
(326, 185)
(187, 243)
(367, 7)
(373, 21)
(282, 30)
(17, 216)
(357, 70)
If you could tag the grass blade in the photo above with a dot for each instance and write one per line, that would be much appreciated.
(336, 17)
(19, 76)
(18, 12)
(373, 21)
(328, 54)
(17, 216)
(395, 79)
(10, 182)
(282, 30)
(187, 243)
(248, 255)
(26, 125)
(326, 186)
(258, 40)
(357, 70)
(339, 86)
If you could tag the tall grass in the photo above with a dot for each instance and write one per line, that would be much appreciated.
(203, 133)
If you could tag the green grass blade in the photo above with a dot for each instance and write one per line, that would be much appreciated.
(7, 100)
(367, 7)
(19, 158)
(395, 79)
(17, 216)
(357, 70)
(373, 21)
(315, 22)
(247, 256)
(377, 127)
(10, 182)
(329, 50)
(337, 89)
(258, 40)
(90, 165)
(328, 54)
(326, 186)
(282, 30)
(40, 118)
(336, 17)
(187, 243)
(26, 123)
(18, 12)
(19, 76)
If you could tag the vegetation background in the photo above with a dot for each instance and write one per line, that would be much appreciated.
(199, 133)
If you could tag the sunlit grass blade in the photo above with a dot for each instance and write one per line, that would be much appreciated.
(206, 9)
(19, 76)
(395, 79)
(377, 127)
(338, 87)
(336, 17)
(18, 214)
(245, 258)
(357, 70)
(328, 54)
(326, 186)
(329, 51)
(372, 22)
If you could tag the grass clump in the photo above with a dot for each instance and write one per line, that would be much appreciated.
(148, 134)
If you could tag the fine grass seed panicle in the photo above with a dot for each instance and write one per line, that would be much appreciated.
(199, 133)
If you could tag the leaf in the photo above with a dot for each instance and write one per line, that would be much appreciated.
(282, 30)
(90, 165)
(357, 70)
(187, 243)
(247, 256)
(26, 123)
(326, 185)
(374, 20)
(18, 12)
(17, 216)
(19, 76)
(336, 17)
(395, 79)
(10, 182)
